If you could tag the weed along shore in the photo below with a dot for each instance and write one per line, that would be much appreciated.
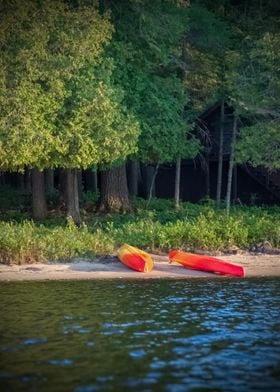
(256, 265)
(157, 229)
(58, 249)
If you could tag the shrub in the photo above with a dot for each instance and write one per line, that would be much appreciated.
(19, 243)
(158, 228)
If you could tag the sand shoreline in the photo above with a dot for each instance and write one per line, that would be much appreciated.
(256, 265)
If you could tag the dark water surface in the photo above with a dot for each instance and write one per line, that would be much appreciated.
(150, 335)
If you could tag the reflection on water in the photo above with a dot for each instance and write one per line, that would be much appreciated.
(87, 336)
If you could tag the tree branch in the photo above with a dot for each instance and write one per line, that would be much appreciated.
(262, 111)
(267, 112)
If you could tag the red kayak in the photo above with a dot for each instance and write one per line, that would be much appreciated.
(135, 258)
(206, 263)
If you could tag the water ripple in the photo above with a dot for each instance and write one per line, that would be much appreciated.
(214, 335)
(31, 341)
(61, 362)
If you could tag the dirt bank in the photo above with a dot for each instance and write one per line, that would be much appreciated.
(256, 265)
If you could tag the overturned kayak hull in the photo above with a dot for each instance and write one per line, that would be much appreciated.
(206, 263)
(135, 258)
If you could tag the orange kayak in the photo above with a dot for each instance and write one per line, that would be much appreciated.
(206, 263)
(135, 258)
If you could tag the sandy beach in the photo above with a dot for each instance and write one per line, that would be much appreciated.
(256, 265)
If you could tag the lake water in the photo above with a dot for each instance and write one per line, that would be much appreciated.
(150, 335)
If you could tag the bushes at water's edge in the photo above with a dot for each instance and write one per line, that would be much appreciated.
(158, 229)
(199, 227)
(25, 242)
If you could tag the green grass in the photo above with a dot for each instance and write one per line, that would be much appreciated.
(157, 229)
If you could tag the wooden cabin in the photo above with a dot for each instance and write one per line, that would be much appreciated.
(199, 177)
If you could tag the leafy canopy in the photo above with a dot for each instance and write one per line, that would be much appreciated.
(146, 48)
(255, 86)
(59, 106)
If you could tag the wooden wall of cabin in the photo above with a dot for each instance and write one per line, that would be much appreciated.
(194, 184)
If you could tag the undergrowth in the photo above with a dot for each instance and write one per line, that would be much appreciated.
(157, 229)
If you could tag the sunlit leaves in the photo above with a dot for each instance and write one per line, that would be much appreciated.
(58, 105)
(100, 131)
(257, 83)
(259, 145)
(164, 138)
(255, 89)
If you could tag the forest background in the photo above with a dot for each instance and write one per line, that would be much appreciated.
(106, 85)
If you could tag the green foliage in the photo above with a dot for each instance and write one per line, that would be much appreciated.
(91, 198)
(27, 243)
(208, 40)
(98, 130)
(11, 200)
(258, 85)
(192, 227)
(164, 129)
(254, 85)
(53, 197)
(80, 87)
(233, 52)
(70, 242)
(145, 48)
(259, 144)
(58, 105)
(19, 243)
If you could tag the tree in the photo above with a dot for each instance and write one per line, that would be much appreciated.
(177, 183)
(114, 190)
(255, 86)
(231, 161)
(221, 154)
(259, 144)
(39, 204)
(145, 48)
(60, 108)
(208, 41)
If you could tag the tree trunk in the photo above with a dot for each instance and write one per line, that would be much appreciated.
(235, 183)
(152, 185)
(72, 196)
(80, 183)
(177, 183)
(49, 178)
(221, 153)
(27, 179)
(39, 205)
(91, 180)
(148, 175)
(185, 59)
(231, 163)
(207, 176)
(133, 177)
(114, 195)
